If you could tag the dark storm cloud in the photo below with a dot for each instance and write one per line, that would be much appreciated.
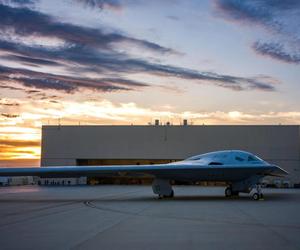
(276, 51)
(280, 18)
(64, 83)
(24, 22)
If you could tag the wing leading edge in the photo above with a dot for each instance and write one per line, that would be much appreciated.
(174, 171)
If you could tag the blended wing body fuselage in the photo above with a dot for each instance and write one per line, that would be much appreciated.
(241, 170)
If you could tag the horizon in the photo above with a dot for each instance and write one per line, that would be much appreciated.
(123, 62)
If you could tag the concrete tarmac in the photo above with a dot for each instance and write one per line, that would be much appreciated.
(131, 217)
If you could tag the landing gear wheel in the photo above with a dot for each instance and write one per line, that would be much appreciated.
(228, 192)
(256, 196)
(235, 193)
(171, 195)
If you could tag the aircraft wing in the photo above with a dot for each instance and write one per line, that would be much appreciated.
(77, 171)
(174, 171)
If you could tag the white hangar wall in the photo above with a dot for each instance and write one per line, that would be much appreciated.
(64, 145)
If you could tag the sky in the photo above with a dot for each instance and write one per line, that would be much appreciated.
(123, 62)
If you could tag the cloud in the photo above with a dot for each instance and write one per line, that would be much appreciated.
(14, 149)
(27, 22)
(69, 84)
(268, 13)
(87, 59)
(2, 86)
(118, 5)
(279, 18)
(22, 135)
(19, 143)
(87, 50)
(101, 4)
(107, 112)
(18, 2)
(119, 63)
(251, 12)
(173, 18)
(4, 102)
(276, 51)
(64, 83)
(9, 115)
(30, 60)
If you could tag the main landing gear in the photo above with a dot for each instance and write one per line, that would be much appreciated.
(171, 195)
(229, 192)
(163, 188)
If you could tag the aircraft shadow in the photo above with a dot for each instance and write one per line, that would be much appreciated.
(197, 198)
(147, 198)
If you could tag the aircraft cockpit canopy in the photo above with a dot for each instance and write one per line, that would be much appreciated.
(226, 157)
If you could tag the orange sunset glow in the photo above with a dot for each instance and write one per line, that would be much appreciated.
(21, 135)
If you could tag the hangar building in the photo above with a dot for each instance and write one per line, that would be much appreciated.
(150, 144)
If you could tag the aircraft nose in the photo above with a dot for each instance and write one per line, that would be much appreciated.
(280, 171)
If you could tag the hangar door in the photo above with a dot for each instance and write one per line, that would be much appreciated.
(120, 179)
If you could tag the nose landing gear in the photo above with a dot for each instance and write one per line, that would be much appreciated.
(171, 195)
(258, 194)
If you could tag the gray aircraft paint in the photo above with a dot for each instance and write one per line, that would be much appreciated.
(197, 168)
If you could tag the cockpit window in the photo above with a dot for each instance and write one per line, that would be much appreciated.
(239, 158)
(252, 158)
(194, 158)
(215, 163)
(212, 155)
